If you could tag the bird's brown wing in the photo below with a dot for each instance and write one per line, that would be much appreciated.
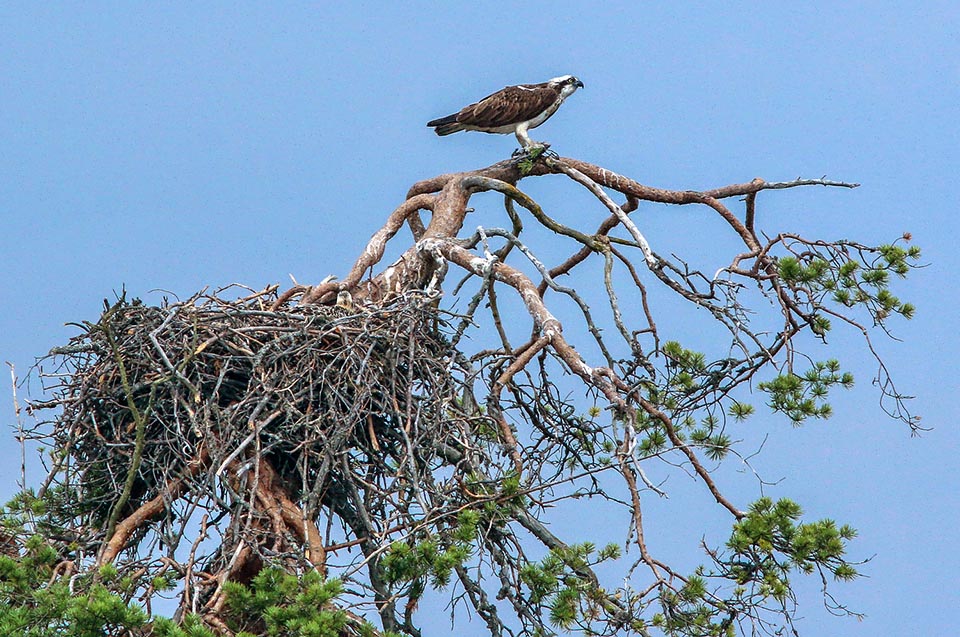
(511, 105)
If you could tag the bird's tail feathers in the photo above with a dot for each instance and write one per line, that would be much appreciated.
(445, 125)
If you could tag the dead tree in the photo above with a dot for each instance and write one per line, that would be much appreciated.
(346, 428)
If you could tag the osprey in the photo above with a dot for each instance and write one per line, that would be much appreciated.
(514, 109)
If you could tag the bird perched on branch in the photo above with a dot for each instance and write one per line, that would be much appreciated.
(514, 109)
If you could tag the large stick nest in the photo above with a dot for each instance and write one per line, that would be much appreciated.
(222, 383)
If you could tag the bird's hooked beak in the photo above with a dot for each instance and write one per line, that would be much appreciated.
(578, 84)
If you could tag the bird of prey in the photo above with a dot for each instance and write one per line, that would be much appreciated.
(514, 109)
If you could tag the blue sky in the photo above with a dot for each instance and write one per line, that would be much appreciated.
(183, 145)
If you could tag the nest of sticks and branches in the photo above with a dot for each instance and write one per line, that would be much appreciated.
(310, 431)
(273, 415)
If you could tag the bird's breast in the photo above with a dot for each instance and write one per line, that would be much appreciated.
(545, 115)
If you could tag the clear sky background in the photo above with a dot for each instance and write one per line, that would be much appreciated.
(185, 145)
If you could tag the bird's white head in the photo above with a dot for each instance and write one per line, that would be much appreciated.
(567, 84)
